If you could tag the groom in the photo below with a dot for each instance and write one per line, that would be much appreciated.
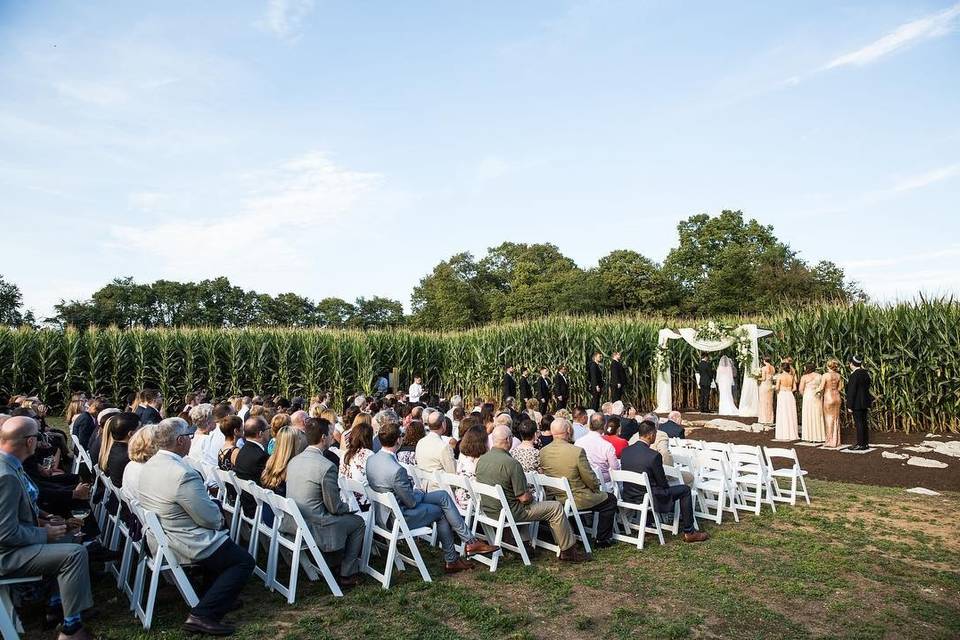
(859, 401)
(706, 379)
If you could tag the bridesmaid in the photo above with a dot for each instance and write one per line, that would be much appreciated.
(830, 389)
(812, 423)
(765, 411)
(786, 405)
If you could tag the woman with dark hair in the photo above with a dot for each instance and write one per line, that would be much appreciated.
(526, 453)
(407, 453)
(232, 429)
(353, 463)
(545, 436)
(611, 433)
(122, 426)
(473, 444)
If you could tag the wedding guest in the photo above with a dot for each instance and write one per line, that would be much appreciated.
(526, 453)
(532, 405)
(252, 458)
(86, 423)
(274, 476)
(140, 448)
(231, 427)
(434, 452)
(580, 419)
(830, 390)
(353, 462)
(598, 452)
(149, 407)
(504, 420)
(473, 444)
(276, 423)
(673, 425)
(407, 453)
(786, 424)
(765, 409)
(202, 420)
(629, 422)
(859, 401)
(194, 526)
(612, 435)
(812, 408)
(121, 428)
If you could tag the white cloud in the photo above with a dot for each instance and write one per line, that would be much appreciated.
(926, 179)
(102, 95)
(898, 260)
(284, 18)
(931, 26)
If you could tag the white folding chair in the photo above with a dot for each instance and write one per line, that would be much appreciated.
(632, 516)
(714, 486)
(675, 478)
(132, 551)
(494, 528)
(227, 481)
(561, 486)
(257, 528)
(156, 561)
(10, 626)
(285, 510)
(751, 478)
(349, 488)
(793, 473)
(111, 518)
(450, 482)
(398, 530)
(80, 456)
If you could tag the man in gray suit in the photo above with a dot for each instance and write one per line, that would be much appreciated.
(28, 537)
(174, 490)
(386, 475)
(312, 484)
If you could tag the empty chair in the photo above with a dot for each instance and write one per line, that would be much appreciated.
(751, 478)
(791, 472)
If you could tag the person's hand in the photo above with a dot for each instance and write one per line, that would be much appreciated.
(74, 524)
(525, 497)
(55, 532)
(453, 443)
(82, 491)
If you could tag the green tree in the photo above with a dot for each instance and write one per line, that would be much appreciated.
(333, 312)
(630, 281)
(450, 296)
(11, 303)
(376, 313)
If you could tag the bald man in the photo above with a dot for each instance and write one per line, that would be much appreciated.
(33, 543)
(498, 467)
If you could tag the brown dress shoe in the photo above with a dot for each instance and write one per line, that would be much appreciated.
(81, 634)
(696, 536)
(349, 581)
(196, 624)
(458, 566)
(479, 546)
(574, 554)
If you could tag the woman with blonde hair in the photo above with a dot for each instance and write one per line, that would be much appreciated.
(274, 475)
(278, 422)
(74, 408)
(830, 391)
(140, 448)
(106, 442)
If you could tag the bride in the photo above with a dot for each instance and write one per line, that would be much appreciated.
(725, 387)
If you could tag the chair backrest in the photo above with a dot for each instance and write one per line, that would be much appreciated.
(787, 454)
(685, 459)
(558, 484)
(491, 491)
(389, 502)
(251, 487)
(450, 481)
(621, 476)
(349, 489)
(421, 478)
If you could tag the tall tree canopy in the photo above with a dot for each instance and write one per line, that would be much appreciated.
(11, 303)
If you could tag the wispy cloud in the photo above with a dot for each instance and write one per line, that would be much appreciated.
(284, 18)
(906, 35)
(880, 263)
(926, 179)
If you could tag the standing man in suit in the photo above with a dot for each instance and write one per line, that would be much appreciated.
(509, 387)
(618, 378)
(641, 458)
(32, 542)
(386, 475)
(859, 401)
(252, 458)
(705, 369)
(561, 387)
(149, 409)
(174, 490)
(312, 484)
(543, 390)
(595, 379)
(525, 391)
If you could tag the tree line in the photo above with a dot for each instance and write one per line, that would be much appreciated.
(722, 264)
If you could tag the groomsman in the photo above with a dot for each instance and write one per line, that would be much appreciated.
(561, 387)
(509, 383)
(595, 378)
(526, 392)
(705, 369)
(543, 390)
(618, 378)
(859, 401)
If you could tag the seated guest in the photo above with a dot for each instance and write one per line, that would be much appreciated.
(203, 423)
(175, 492)
(96, 448)
(298, 420)
(252, 459)
(386, 475)
(497, 467)
(673, 426)
(600, 453)
(231, 427)
(434, 452)
(629, 423)
(276, 423)
(312, 484)
(580, 419)
(505, 420)
(122, 427)
(641, 458)
(353, 462)
(473, 444)
(274, 475)
(407, 453)
(149, 407)
(140, 448)
(661, 442)
(612, 435)
(562, 459)
(526, 453)
(544, 436)
(33, 543)
(532, 405)
(85, 424)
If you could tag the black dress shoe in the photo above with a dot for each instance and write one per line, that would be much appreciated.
(195, 624)
(604, 544)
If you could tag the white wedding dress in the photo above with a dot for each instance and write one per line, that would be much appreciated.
(725, 387)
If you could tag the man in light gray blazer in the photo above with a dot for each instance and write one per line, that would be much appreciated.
(28, 537)
(386, 475)
(312, 484)
(174, 490)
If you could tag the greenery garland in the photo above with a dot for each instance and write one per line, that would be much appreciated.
(715, 332)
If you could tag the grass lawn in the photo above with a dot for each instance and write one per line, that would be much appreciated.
(860, 562)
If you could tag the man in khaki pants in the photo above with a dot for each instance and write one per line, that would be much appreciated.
(497, 467)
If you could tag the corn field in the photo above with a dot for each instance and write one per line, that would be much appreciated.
(912, 351)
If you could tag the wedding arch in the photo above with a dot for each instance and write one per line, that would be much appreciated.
(713, 337)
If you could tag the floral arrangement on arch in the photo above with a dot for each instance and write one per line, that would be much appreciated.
(715, 332)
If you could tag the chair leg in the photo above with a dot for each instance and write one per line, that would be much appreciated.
(421, 565)
(9, 622)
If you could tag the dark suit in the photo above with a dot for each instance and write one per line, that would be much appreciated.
(148, 415)
(672, 429)
(705, 368)
(618, 381)
(595, 377)
(525, 391)
(84, 427)
(117, 460)
(640, 458)
(561, 389)
(250, 464)
(509, 387)
(859, 401)
(543, 393)
(628, 427)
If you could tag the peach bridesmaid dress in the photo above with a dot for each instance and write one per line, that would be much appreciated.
(830, 385)
(765, 410)
(812, 413)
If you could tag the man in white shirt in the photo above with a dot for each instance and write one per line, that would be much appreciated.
(415, 391)
(433, 451)
(579, 423)
(600, 453)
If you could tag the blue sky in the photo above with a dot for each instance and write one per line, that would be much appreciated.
(344, 148)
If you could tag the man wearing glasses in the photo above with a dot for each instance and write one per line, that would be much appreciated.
(33, 543)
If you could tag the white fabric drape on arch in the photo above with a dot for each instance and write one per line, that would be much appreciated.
(749, 394)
